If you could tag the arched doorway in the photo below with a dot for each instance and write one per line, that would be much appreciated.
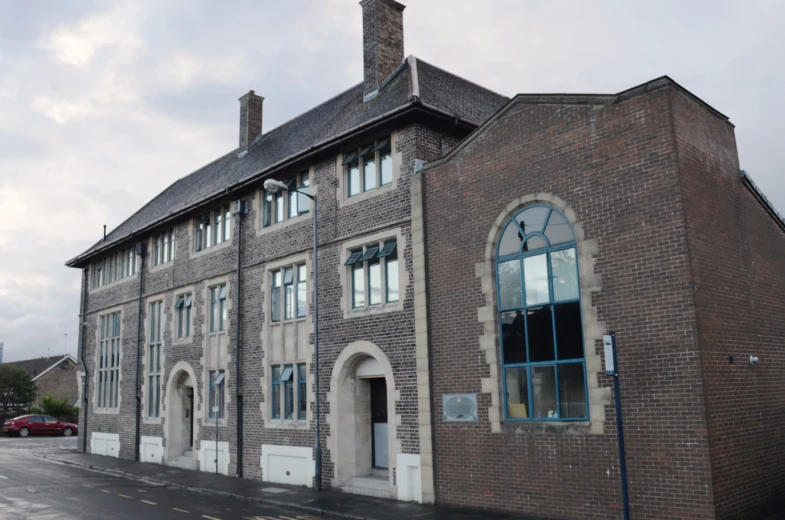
(363, 442)
(181, 426)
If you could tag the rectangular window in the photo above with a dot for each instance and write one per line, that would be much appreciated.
(163, 248)
(288, 293)
(302, 395)
(108, 386)
(287, 378)
(276, 397)
(217, 384)
(302, 296)
(154, 361)
(213, 228)
(288, 203)
(374, 274)
(368, 167)
(183, 310)
(305, 186)
(218, 308)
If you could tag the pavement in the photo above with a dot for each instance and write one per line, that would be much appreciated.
(299, 501)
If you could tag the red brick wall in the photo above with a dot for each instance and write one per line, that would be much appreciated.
(737, 252)
(616, 167)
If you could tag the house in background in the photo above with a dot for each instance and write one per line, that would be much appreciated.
(55, 376)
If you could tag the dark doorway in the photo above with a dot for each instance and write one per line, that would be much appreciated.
(379, 437)
(190, 413)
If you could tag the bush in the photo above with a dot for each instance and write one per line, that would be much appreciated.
(57, 407)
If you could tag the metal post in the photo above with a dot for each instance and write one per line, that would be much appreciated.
(318, 447)
(620, 429)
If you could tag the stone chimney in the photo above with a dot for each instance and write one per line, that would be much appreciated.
(250, 119)
(382, 42)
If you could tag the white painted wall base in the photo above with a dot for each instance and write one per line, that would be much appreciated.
(409, 479)
(207, 457)
(151, 449)
(105, 444)
(287, 465)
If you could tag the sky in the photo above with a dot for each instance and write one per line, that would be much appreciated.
(105, 103)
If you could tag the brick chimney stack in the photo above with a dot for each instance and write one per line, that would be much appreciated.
(382, 42)
(250, 119)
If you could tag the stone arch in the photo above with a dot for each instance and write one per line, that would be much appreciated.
(346, 442)
(593, 329)
(176, 386)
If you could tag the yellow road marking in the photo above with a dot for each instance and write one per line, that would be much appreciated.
(105, 491)
(124, 496)
(148, 502)
(179, 510)
(210, 517)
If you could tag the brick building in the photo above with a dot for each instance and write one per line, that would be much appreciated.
(56, 376)
(566, 216)
(643, 221)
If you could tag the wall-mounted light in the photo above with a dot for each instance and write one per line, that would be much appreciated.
(754, 360)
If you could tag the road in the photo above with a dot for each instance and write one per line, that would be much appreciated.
(31, 487)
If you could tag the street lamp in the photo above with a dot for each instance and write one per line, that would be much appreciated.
(274, 186)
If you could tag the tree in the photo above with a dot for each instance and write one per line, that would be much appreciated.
(16, 387)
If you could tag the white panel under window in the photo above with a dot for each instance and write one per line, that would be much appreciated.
(287, 465)
(208, 458)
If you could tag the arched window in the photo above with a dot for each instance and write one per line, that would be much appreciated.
(539, 303)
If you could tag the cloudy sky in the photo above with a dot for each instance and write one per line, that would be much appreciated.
(104, 104)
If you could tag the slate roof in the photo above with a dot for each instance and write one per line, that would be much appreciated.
(414, 82)
(35, 367)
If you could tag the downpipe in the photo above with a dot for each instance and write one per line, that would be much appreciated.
(239, 211)
(86, 381)
(141, 250)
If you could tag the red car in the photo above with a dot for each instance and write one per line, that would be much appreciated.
(38, 425)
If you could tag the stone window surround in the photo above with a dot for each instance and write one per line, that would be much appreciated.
(593, 329)
(225, 356)
(192, 225)
(266, 381)
(127, 279)
(341, 173)
(258, 202)
(346, 276)
(184, 291)
(159, 297)
(151, 251)
(108, 411)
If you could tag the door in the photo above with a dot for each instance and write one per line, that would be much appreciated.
(379, 422)
(36, 425)
(189, 412)
(51, 425)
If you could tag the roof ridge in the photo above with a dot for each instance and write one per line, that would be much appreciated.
(463, 79)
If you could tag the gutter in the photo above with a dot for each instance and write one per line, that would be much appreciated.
(309, 152)
(86, 382)
(762, 199)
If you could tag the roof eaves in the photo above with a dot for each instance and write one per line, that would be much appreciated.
(64, 358)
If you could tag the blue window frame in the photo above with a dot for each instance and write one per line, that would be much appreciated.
(540, 319)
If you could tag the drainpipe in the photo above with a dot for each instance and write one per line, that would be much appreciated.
(85, 382)
(240, 209)
(141, 250)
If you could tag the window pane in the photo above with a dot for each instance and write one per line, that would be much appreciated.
(565, 275)
(534, 243)
(223, 314)
(572, 390)
(301, 298)
(517, 392)
(385, 164)
(370, 253)
(293, 204)
(535, 270)
(227, 224)
(218, 227)
(375, 282)
(513, 337)
(559, 230)
(267, 210)
(388, 249)
(279, 213)
(180, 322)
(369, 172)
(354, 256)
(302, 389)
(569, 333)
(302, 201)
(510, 294)
(276, 395)
(532, 220)
(354, 178)
(187, 321)
(510, 243)
(277, 278)
(358, 286)
(288, 276)
(392, 278)
(540, 328)
(288, 312)
(275, 306)
(288, 396)
(544, 392)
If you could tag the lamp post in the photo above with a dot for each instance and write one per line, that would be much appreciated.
(273, 186)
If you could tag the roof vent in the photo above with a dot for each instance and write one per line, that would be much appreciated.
(250, 120)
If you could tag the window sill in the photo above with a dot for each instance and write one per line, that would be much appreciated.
(284, 322)
(276, 226)
(115, 283)
(220, 333)
(152, 420)
(183, 341)
(211, 249)
(346, 200)
(161, 267)
(374, 309)
(211, 423)
(287, 424)
(107, 411)
(534, 426)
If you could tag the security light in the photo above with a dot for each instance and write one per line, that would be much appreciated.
(274, 186)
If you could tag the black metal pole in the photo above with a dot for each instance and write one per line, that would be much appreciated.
(85, 383)
(620, 429)
(141, 251)
(318, 446)
(239, 397)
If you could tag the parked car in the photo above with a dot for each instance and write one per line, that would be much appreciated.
(25, 425)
